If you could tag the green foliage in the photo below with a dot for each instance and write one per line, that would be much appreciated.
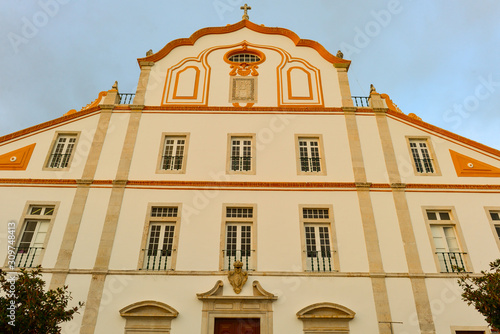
(36, 311)
(484, 293)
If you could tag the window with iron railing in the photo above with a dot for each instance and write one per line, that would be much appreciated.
(421, 155)
(33, 236)
(241, 154)
(449, 254)
(309, 155)
(161, 240)
(62, 151)
(238, 238)
(319, 253)
(173, 153)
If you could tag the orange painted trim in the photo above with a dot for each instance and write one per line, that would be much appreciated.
(327, 186)
(338, 62)
(17, 159)
(48, 124)
(289, 85)
(469, 167)
(276, 109)
(194, 96)
(38, 181)
(450, 135)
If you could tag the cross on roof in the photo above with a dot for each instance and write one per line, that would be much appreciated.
(245, 14)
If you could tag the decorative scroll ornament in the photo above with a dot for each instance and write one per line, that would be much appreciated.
(244, 70)
(237, 277)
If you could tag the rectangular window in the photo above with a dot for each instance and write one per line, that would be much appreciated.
(495, 218)
(62, 151)
(310, 155)
(36, 227)
(241, 154)
(449, 254)
(161, 238)
(318, 239)
(173, 153)
(238, 237)
(422, 156)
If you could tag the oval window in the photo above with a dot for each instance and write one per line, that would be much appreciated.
(244, 58)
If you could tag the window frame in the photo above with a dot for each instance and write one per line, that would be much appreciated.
(252, 265)
(479, 329)
(432, 153)
(149, 221)
(159, 164)
(453, 222)
(20, 227)
(253, 158)
(53, 144)
(330, 223)
(493, 223)
(322, 159)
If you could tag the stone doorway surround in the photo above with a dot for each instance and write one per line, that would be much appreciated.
(216, 305)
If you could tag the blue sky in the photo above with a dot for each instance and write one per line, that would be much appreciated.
(435, 58)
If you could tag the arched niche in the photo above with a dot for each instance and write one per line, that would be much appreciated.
(326, 318)
(148, 316)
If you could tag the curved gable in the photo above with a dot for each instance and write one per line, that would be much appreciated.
(336, 61)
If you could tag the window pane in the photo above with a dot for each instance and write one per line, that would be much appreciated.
(495, 215)
(444, 216)
(431, 215)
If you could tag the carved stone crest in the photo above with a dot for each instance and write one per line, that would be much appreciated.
(237, 277)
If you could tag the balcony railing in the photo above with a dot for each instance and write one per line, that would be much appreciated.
(171, 162)
(126, 98)
(451, 262)
(424, 165)
(310, 164)
(157, 259)
(319, 261)
(27, 257)
(241, 163)
(58, 160)
(233, 255)
(360, 101)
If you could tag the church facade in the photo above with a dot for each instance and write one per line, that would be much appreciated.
(242, 189)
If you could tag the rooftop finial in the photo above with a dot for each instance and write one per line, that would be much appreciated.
(340, 54)
(372, 89)
(149, 53)
(245, 8)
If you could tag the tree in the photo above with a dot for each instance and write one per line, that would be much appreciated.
(27, 308)
(484, 293)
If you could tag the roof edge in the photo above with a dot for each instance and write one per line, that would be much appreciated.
(336, 61)
(446, 133)
(48, 124)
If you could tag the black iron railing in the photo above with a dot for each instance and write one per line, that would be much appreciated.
(319, 261)
(58, 160)
(424, 165)
(360, 101)
(158, 259)
(451, 262)
(126, 98)
(233, 255)
(171, 162)
(241, 163)
(27, 257)
(310, 164)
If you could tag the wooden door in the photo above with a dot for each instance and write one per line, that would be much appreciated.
(237, 326)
